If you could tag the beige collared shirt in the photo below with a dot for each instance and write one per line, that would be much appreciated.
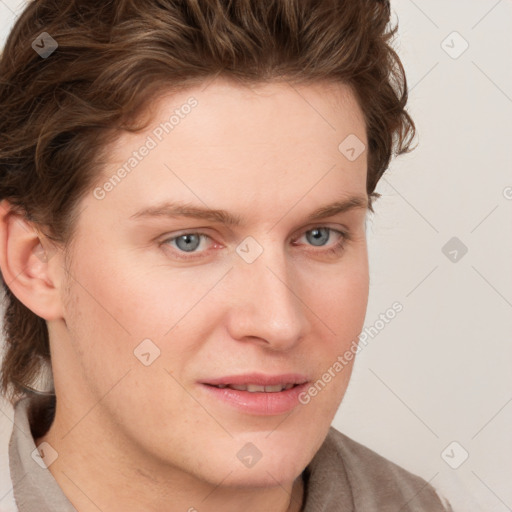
(344, 476)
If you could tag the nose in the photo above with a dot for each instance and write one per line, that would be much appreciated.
(267, 307)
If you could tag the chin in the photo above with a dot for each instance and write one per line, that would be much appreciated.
(279, 463)
(269, 458)
(265, 475)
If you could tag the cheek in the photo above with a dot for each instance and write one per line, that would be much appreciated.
(102, 318)
(348, 302)
(116, 296)
(341, 298)
(341, 305)
(118, 301)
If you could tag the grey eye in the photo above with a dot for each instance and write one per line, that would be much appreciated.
(318, 236)
(189, 242)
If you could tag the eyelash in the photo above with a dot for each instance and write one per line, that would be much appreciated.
(335, 250)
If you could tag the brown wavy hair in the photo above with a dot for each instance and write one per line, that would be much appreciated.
(58, 114)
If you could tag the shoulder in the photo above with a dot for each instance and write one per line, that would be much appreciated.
(376, 483)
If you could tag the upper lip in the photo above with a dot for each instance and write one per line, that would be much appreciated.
(259, 379)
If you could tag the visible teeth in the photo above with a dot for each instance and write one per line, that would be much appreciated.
(255, 388)
(242, 387)
(274, 389)
(251, 388)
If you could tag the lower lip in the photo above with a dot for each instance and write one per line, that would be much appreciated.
(263, 404)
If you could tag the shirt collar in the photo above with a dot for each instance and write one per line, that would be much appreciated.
(34, 487)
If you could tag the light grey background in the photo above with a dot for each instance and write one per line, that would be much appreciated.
(439, 372)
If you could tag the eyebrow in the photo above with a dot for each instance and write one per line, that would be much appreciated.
(178, 209)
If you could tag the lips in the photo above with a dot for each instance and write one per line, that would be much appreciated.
(257, 393)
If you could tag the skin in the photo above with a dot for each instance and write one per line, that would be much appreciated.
(268, 154)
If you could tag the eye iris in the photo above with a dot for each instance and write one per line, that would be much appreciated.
(320, 235)
(191, 242)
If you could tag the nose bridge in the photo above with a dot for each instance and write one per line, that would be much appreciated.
(267, 305)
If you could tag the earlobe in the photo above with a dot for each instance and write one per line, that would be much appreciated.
(26, 262)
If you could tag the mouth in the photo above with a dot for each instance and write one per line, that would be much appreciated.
(257, 394)
(255, 388)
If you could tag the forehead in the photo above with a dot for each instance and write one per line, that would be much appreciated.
(248, 146)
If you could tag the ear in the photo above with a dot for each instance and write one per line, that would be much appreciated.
(30, 264)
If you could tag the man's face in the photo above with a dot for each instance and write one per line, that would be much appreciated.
(269, 297)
